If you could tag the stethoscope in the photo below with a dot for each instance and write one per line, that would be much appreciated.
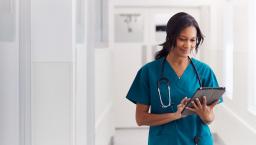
(167, 81)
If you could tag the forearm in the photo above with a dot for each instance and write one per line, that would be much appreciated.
(149, 119)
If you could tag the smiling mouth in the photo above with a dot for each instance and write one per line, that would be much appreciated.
(185, 50)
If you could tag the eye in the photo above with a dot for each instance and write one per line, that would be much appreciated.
(192, 40)
(182, 39)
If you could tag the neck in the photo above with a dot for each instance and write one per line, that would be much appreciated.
(173, 59)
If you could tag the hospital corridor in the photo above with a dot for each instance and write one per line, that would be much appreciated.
(127, 72)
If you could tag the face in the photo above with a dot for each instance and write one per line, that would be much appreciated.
(185, 42)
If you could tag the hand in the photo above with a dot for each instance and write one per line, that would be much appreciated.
(204, 111)
(181, 106)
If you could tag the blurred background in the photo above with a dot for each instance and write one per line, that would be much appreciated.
(66, 67)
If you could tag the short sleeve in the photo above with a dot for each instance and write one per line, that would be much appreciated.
(139, 90)
(211, 81)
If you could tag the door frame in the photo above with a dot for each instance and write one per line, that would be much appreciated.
(23, 28)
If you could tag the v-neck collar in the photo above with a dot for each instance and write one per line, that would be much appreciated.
(175, 74)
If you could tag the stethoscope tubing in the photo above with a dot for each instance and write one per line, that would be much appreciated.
(162, 78)
(165, 79)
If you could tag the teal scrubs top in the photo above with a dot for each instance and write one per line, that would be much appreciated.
(144, 91)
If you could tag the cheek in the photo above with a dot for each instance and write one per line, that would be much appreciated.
(179, 43)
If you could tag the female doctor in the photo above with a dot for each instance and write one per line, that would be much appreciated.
(160, 87)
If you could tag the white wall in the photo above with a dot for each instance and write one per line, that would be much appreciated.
(104, 126)
(9, 73)
(9, 94)
(52, 72)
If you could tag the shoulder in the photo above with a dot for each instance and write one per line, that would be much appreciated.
(201, 66)
(150, 70)
(206, 73)
(153, 65)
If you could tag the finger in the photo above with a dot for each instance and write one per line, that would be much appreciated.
(180, 108)
(194, 105)
(180, 105)
(204, 102)
(198, 103)
(188, 100)
(191, 109)
(183, 100)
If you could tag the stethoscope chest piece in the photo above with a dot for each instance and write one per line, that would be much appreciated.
(167, 82)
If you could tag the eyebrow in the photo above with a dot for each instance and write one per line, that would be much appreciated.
(186, 37)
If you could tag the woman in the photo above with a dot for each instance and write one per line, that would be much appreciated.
(160, 107)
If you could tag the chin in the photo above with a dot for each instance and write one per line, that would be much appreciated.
(184, 55)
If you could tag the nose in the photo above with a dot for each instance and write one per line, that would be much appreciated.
(187, 44)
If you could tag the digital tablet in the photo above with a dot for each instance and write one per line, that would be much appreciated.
(211, 94)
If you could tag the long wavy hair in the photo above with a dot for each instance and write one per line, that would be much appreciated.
(175, 25)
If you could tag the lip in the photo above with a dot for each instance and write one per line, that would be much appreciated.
(185, 50)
